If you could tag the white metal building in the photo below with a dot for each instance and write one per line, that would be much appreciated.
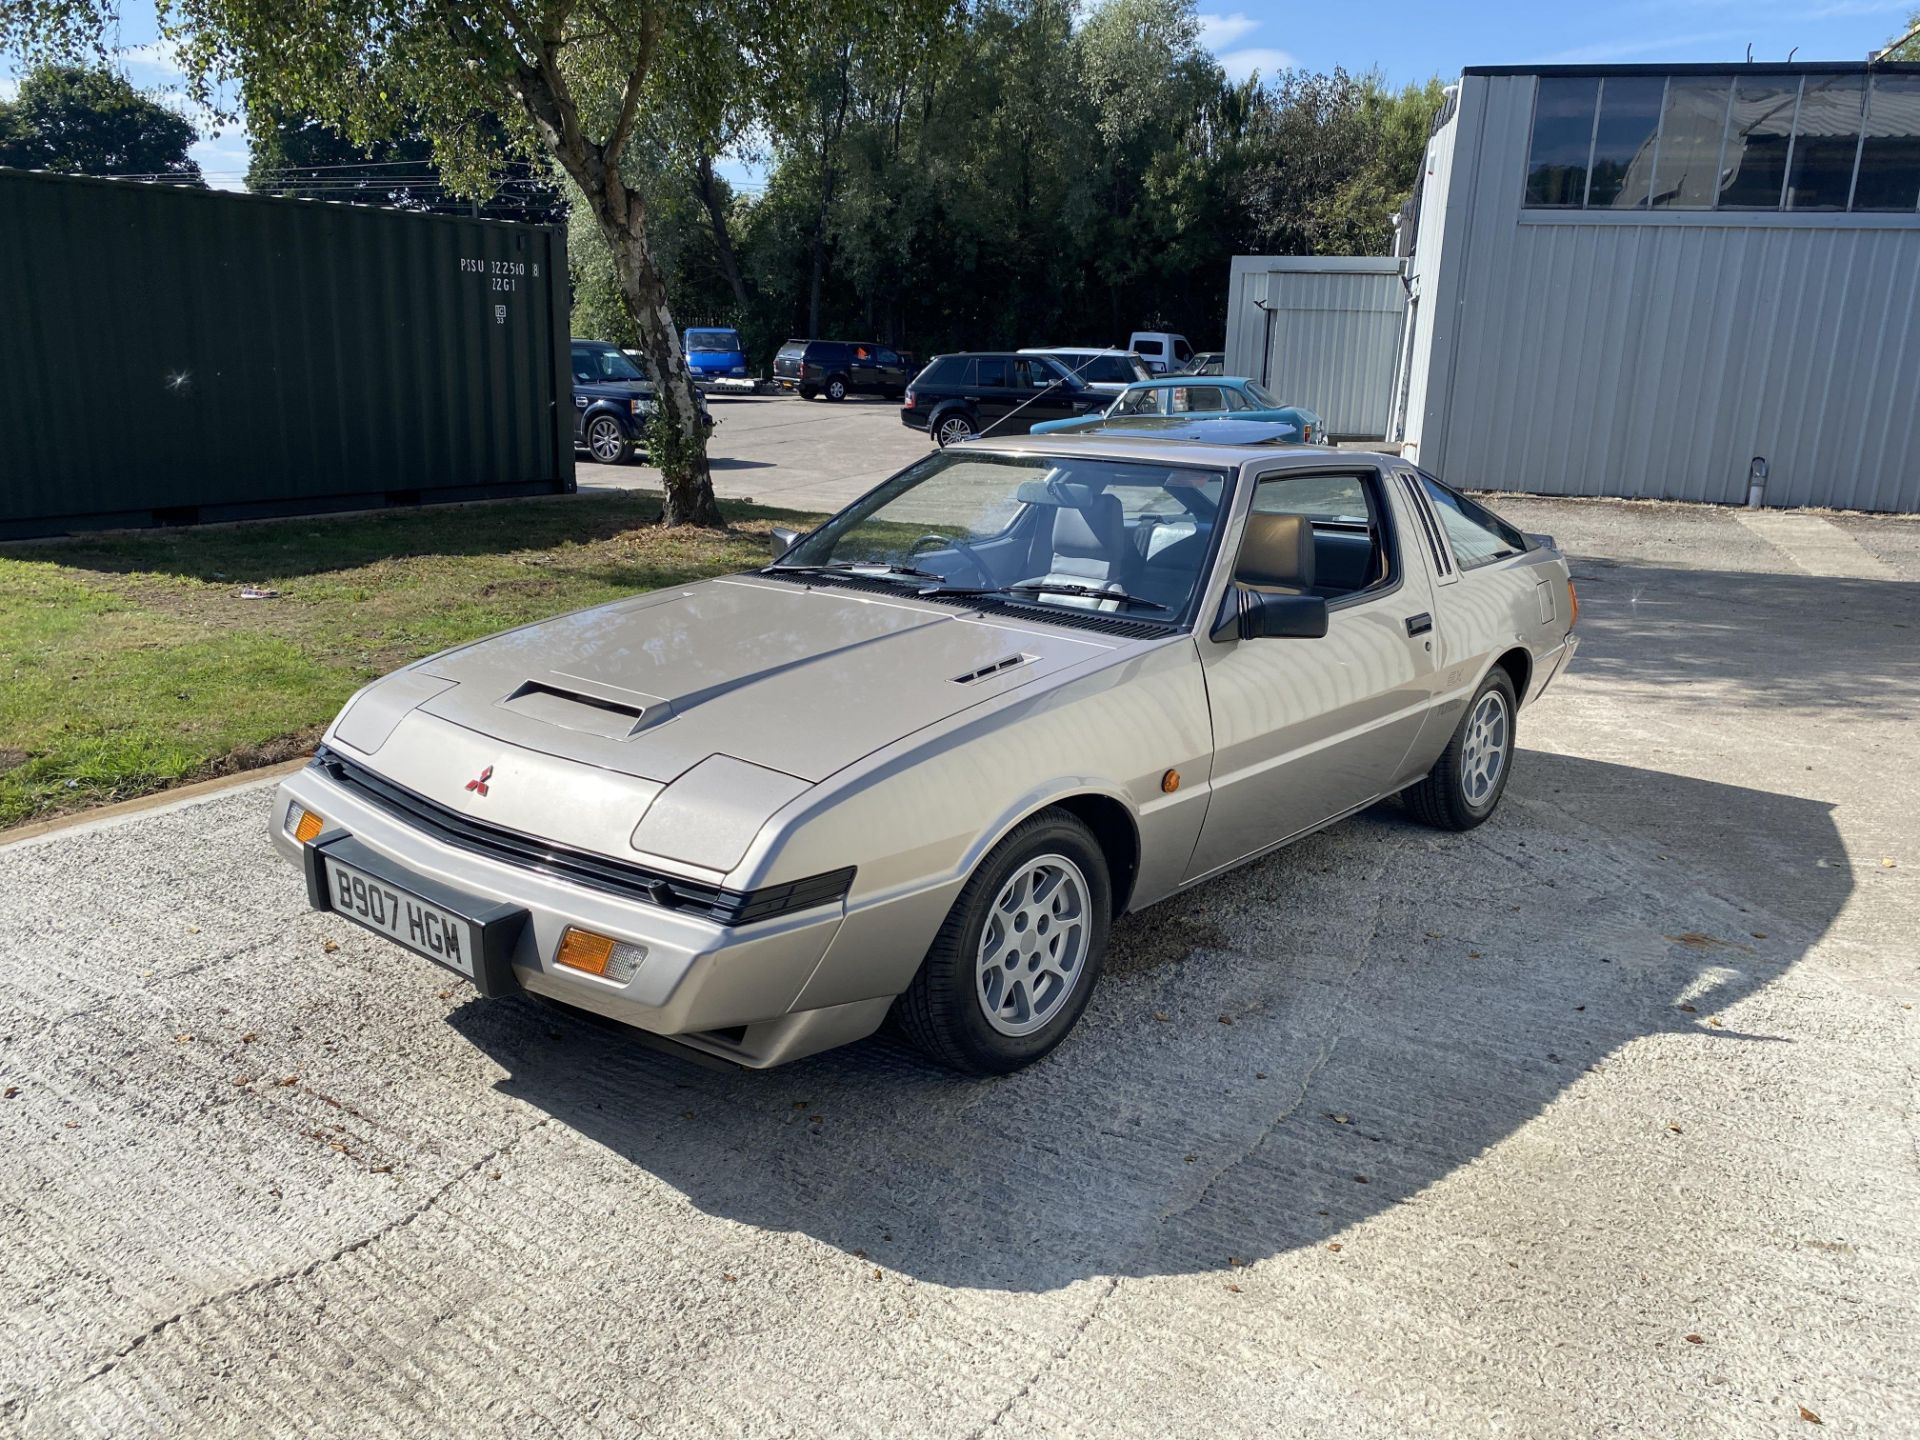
(1633, 280)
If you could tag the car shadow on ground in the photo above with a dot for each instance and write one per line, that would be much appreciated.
(1269, 1059)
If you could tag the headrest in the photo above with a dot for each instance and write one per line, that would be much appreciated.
(1096, 532)
(1276, 551)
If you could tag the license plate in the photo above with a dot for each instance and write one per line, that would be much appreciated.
(424, 928)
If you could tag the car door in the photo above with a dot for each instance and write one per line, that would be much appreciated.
(1046, 392)
(1307, 730)
(889, 369)
(991, 392)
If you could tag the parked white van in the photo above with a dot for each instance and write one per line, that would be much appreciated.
(1164, 353)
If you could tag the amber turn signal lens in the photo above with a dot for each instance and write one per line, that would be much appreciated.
(584, 950)
(1573, 603)
(1170, 781)
(307, 826)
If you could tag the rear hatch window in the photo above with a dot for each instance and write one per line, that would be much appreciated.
(787, 359)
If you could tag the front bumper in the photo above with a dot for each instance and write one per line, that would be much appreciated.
(726, 990)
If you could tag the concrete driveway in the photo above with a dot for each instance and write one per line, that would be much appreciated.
(1596, 1121)
(782, 450)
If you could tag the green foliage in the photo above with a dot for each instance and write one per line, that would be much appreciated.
(1909, 46)
(90, 121)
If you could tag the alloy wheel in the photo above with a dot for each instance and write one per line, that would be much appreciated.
(605, 442)
(1484, 755)
(1033, 949)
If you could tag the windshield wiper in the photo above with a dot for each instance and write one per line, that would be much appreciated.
(885, 570)
(1041, 587)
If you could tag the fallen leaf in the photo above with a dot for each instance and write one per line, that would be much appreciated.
(1473, 954)
(730, 1279)
(1886, 862)
(1758, 934)
(859, 1254)
(1161, 1016)
(329, 946)
(1192, 1158)
(1360, 1180)
(248, 1038)
(1695, 1340)
(1714, 1020)
(1673, 1127)
(876, 1272)
(1335, 1247)
(800, 1104)
(288, 1080)
(1234, 1262)
(1234, 1288)
(1579, 1007)
(446, 994)
(493, 1175)
(11, 1091)
(336, 1145)
(1226, 1019)
(1811, 1418)
(1338, 1119)
(73, 1124)
(183, 1039)
(383, 1169)
(243, 1079)
(1259, 1074)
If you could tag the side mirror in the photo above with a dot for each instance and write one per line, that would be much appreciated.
(1260, 615)
(782, 540)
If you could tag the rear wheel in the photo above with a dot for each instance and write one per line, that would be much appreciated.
(837, 389)
(1467, 781)
(951, 430)
(607, 442)
(1017, 958)
(807, 392)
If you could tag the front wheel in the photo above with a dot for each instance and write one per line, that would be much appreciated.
(1470, 776)
(951, 430)
(607, 442)
(836, 389)
(1016, 960)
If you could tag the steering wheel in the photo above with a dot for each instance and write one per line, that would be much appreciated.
(934, 540)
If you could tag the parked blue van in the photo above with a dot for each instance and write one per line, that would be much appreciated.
(716, 354)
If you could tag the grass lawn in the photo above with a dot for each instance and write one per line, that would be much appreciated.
(130, 662)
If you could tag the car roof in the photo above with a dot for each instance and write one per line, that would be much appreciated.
(1170, 382)
(603, 344)
(713, 330)
(1220, 450)
(1073, 350)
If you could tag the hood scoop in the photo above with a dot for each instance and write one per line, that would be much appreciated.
(588, 706)
(1000, 666)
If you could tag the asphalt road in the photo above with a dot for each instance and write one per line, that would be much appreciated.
(1596, 1121)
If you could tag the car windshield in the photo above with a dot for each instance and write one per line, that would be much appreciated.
(595, 362)
(1116, 537)
(709, 340)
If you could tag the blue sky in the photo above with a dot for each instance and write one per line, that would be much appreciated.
(1406, 39)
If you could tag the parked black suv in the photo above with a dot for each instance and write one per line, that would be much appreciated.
(612, 399)
(994, 392)
(839, 368)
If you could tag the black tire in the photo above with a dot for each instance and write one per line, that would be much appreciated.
(942, 1013)
(836, 388)
(807, 392)
(1442, 799)
(606, 441)
(951, 428)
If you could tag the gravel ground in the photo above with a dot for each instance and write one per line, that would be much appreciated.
(1596, 1121)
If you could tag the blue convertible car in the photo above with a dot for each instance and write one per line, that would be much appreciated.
(1197, 397)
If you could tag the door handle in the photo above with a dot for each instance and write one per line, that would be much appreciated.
(1419, 624)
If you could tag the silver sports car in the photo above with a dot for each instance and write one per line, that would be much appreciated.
(917, 765)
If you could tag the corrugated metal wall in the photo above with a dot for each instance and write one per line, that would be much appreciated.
(1657, 354)
(1329, 337)
(212, 355)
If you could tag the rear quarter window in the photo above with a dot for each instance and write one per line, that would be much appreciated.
(1478, 536)
(947, 370)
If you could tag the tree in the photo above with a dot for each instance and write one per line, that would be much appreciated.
(84, 121)
(302, 157)
(1908, 47)
(570, 78)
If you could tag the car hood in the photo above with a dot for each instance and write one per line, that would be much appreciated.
(797, 679)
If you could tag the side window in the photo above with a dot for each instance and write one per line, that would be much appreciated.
(582, 366)
(1036, 373)
(1203, 399)
(1349, 544)
(992, 372)
(1181, 352)
(1152, 349)
(1477, 535)
(887, 357)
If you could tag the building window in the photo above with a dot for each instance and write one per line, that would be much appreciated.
(1819, 141)
(1562, 142)
(1692, 122)
(1753, 167)
(1826, 141)
(1890, 152)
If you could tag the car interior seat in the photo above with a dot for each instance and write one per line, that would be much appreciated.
(1276, 555)
(1088, 544)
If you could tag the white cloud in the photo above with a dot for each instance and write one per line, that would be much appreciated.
(1627, 49)
(9, 87)
(1239, 64)
(157, 56)
(1220, 31)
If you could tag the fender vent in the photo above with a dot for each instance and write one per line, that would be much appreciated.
(1007, 663)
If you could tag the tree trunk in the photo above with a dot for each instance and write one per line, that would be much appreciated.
(688, 481)
(722, 235)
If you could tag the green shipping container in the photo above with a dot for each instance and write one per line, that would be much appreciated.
(169, 356)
